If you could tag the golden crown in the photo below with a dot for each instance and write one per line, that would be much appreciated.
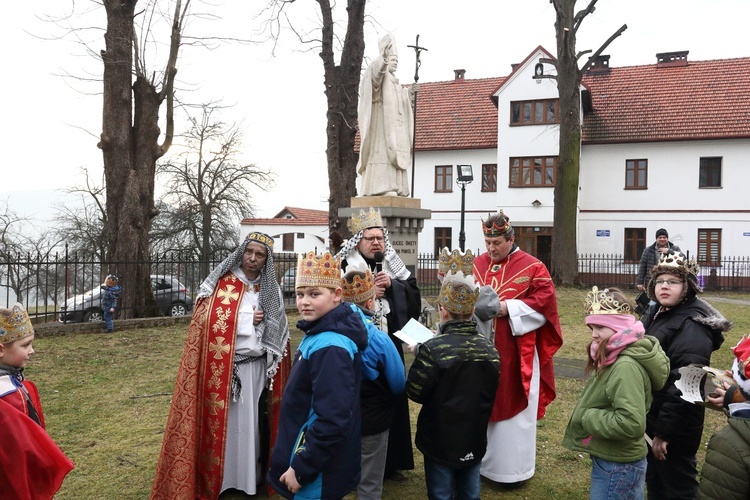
(358, 284)
(451, 263)
(318, 270)
(497, 230)
(261, 238)
(365, 220)
(677, 261)
(14, 324)
(459, 293)
(598, 302)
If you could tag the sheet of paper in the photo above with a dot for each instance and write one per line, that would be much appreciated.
(414, 333)
(697, 382)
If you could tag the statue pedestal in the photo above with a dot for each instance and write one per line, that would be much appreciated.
(403, 217)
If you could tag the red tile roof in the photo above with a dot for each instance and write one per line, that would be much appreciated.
(700, 100)
(457, 114)
(300, 217)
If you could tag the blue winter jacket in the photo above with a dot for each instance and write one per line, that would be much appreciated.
(319, 422)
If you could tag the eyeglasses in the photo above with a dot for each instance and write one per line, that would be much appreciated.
(370, 239)
(669, 283)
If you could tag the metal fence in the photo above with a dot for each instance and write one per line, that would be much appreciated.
(43, 283)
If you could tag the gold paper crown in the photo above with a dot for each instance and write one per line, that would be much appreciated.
(318, 270)
(457, 299)
(261, 238)
(451, 263)
(677, 261)
(14, 324)
(598, 302)
(358, 289)
(495, 230)
(365, 220)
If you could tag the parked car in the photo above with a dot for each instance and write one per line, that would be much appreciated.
(287, 282)
(171, 295)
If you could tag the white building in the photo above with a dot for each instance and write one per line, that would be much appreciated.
(293, 229)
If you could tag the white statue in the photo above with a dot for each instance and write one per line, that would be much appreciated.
(386, 125)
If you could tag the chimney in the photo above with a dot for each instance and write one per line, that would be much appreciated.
(600, 64)
(459, 74)
(669, 59)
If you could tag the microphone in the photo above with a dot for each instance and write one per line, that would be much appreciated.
(378, 261)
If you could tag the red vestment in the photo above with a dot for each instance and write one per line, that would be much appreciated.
(32, 466)
(191, 463)
(523, 277)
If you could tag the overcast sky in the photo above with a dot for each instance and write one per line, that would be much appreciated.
(51, 123)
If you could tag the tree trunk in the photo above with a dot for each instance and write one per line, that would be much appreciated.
(565, 236)
(342, 95)
(130, 149)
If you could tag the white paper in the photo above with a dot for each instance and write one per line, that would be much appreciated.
(697, 382)
(414, 333)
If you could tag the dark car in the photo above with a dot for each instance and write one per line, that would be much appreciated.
(287, 282)
(171, 295)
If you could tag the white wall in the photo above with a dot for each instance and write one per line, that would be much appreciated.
(316, 237)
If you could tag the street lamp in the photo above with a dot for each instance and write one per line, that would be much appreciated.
(465, 176)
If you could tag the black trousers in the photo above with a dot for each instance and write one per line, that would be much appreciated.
(673, 478)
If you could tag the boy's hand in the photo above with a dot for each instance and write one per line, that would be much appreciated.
(289, 479)
(111, 309)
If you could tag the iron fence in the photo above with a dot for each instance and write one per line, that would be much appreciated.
(43, 283)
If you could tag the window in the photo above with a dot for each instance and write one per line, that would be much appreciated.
(635, 243)
(709, 246)
(710, 172)
(443, 238)
(489, 178)
(287, 242)
(444, 179)
(300, 236)
(636, 174)
(533, 171)
(539, 112)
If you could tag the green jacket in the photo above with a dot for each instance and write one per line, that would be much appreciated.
(726, 473)
(609, 419)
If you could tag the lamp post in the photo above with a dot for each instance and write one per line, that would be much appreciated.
(465, 176)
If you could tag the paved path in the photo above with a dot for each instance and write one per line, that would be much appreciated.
(569, 368)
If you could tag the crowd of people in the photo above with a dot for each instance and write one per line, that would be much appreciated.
(244, 416)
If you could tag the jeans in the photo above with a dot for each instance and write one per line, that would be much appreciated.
(374, 451)
(617, 480)
(108, 323)
(447, 483)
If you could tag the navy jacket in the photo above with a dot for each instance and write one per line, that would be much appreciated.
(319, 422)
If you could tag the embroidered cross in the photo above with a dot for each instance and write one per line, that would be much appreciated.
(219, 348)
(214, 404)
(228, 294)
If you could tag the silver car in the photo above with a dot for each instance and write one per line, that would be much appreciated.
(171, 295)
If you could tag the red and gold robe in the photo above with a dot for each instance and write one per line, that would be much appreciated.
(523, 277)
(191, 463)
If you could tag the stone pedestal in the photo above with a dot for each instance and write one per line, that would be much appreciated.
(403, 217)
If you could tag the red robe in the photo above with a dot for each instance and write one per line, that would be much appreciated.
(523, 277)
(191, 463)
(32, 466)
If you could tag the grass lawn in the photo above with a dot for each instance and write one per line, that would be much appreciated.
(106, 399)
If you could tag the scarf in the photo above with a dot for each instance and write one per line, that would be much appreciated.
(392, 264)
(627, 330)
(274, 330)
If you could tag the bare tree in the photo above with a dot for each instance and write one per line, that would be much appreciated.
(341, 87)
(208, 188)
(569, 75)
(131, 139)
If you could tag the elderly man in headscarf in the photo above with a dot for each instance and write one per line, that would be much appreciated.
(398, 300)
(233, 370)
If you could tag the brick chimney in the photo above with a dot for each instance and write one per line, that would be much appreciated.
(669, 59)
(459, 74)
(600, 64)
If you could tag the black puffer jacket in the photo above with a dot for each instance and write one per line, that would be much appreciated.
(688, 333)
(454, 376)
(649, 258)
(726, 473)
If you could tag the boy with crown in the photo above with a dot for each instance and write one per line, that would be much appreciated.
(383, 377)
(31, 464)
(317, 451)
(397, 300)
(454, 377)
(234, 365)
(527, 335)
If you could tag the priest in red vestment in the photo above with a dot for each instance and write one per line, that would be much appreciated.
(527, 335)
